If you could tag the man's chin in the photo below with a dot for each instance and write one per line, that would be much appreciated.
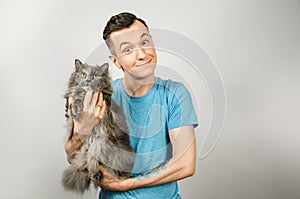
(140, 75)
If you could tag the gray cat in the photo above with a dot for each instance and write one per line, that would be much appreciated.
(108, 145)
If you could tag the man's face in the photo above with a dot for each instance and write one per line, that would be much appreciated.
(134, 51)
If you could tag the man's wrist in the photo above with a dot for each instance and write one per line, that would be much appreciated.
(82, 132)
(76, 138)
(134, 183)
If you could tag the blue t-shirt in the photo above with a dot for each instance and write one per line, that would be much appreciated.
(166, 106)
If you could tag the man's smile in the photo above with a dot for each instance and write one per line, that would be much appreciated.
(144, 64)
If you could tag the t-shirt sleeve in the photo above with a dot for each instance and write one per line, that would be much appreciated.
(181, 110)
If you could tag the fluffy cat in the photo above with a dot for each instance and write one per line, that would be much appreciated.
(108, 145)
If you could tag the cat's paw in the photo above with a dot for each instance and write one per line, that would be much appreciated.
(76, 108)
(96, 178)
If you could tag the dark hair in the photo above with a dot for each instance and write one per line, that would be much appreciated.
(120, 21)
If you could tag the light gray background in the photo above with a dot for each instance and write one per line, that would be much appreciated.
(255, 45)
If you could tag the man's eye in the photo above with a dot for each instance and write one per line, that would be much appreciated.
(83, 75)
(145, 42)
(128, 50)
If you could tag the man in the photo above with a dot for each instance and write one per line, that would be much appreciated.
(159, 114)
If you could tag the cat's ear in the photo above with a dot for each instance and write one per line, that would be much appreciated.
(104, 68)
(78, 64)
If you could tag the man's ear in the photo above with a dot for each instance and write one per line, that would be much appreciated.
(115, 61)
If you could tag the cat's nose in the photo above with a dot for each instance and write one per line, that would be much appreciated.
(94, 85)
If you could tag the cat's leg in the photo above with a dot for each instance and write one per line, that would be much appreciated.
(76, 176)
(76, 108)
(121, 156)
(93, 168)
(77, 104)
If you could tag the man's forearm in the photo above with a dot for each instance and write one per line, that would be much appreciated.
(177, 169)
(181, 165)
(72, 145)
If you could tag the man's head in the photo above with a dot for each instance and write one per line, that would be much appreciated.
(131, 45)
(119, 22)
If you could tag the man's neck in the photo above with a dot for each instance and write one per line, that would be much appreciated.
(138, 87)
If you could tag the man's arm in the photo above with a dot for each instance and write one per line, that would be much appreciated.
(92, 113)
(72, 145)
(181, 165)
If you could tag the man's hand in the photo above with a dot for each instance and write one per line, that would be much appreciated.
(110, 182)
(92, 113)
(182, 164)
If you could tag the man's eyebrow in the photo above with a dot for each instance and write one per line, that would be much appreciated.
(126, 42)
(123, 43)
(144, 34)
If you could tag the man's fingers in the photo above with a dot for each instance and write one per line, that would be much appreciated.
(87, 99)
(94, 100)
(100, 99)
(94, 103)
(101, 169)
(70, 101)
(108, 176)
(102, 111)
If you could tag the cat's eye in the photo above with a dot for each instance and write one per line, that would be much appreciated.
(96, 76)
(83, 75)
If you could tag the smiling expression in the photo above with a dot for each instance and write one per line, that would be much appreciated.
(134, 51)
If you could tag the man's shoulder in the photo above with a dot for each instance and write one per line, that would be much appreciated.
(170, 85)
(116, 81)
(116, 84)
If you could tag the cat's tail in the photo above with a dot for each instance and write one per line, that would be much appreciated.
(74, 179)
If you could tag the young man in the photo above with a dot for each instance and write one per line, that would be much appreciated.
(159, 114)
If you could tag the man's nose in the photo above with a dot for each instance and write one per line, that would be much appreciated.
(140, 53)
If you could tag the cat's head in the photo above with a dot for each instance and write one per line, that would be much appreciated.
(93, 77)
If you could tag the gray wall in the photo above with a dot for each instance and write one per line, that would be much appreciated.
(254, 44)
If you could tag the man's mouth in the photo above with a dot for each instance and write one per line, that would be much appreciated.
(144, 64)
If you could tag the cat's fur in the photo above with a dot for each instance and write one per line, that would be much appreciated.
(108, 145)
